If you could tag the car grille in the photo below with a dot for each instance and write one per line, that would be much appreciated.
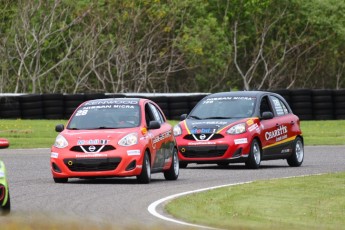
(97, 148)
(205, 137)
(203, 151)
(92, 165)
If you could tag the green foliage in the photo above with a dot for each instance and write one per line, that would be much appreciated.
(170, 46)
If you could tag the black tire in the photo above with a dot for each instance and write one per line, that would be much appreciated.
(6, 209)
(173, 172)
(60, 180)
(296, 159)
(183, 165)
(254, 158)
(145, 175)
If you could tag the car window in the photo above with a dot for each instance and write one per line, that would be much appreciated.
(156, 114)
(265, 105)
(105, 117)
(279, 106)
(224, 108)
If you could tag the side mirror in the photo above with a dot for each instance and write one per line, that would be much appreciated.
(59, 128)
(183, 117)
(154, 125)
(4, 143)
(267, 115)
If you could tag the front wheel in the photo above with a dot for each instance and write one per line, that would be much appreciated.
(296, 159)
(145, 175)
(173, 172)
(254, 158)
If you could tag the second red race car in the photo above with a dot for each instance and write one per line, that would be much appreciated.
(243, 126)
(115, 137)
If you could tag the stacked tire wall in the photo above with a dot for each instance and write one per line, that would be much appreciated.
(308, 104)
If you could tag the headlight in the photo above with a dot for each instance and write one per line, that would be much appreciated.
(237, 129)
(60, 142)
(177, 130)
(128, 140)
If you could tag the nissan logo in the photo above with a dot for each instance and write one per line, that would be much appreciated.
(202, 137)
(92, 148)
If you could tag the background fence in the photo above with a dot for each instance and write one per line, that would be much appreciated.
(306, 103)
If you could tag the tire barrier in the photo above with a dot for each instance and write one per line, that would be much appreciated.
(308, 104)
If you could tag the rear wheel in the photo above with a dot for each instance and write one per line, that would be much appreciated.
(296, 159)
(145, 175)
(173, 172)
(60, 180)
(254, 158)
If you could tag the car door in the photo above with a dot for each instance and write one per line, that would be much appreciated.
(276, 130)
(160, 137)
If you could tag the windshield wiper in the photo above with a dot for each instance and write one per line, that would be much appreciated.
(195, 117)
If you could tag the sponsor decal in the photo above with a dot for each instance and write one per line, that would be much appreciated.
(162, 136)
(202, 130)
(286, 150)
(91, 155)
(211, 100)
(112, 102)
(134, 152)
(54, 155)
(253, 127)
(278, 133)
(250, 122)
(209, 123)
(92, 142)
(202, 143)
(241, 141)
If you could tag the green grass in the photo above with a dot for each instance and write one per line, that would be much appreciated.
(312, 202)
(324, 132)
(41, 133)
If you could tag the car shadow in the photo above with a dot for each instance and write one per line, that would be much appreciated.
(231, 167)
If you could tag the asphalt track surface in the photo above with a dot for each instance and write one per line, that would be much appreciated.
(122, 201)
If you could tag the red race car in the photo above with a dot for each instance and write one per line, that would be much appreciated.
(115, 137)
(244, 126)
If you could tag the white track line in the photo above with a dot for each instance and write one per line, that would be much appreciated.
(152, 207)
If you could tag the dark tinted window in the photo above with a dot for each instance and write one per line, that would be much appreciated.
(106, 117)
(224, 108)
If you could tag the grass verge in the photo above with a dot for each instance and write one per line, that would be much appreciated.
(311, 202)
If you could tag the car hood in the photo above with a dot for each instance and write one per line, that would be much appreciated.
(207, 126)
(95, 137)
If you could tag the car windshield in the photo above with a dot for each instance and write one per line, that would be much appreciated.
(105, 117)
(224, 108)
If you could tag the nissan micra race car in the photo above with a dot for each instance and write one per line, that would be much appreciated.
(232, 127)
(5, 202)
(115, 137)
